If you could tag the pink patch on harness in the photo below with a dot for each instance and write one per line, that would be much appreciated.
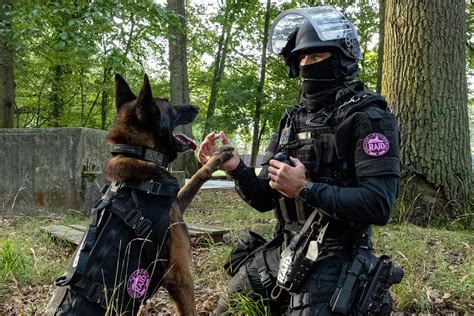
(138, 283)
(376, 144)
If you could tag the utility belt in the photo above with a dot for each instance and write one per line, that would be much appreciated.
(294, 214)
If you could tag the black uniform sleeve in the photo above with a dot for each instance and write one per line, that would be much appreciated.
(369, 203)
(255, 190)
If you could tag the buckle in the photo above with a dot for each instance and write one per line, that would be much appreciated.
(265, 278)
(132, 218)
(154, 187)
(94, 293)
(137, 222)
(143, 226)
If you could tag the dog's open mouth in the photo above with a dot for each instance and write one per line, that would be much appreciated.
(185, 141)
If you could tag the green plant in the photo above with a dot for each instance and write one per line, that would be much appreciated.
(249, 306)
(13, 259)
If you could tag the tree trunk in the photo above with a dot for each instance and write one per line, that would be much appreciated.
(105, 98)
(258, 101)
(219, 66)
(424, 81)
(56, 96)
(179, 84)
(7, 79)
(381, 43)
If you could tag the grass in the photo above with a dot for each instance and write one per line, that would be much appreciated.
(439, 264)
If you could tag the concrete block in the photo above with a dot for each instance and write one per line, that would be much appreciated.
(47, 171)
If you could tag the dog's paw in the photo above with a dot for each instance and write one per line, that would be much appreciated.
(223, 154)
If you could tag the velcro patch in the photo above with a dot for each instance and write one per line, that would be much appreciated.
(138, 283)
(376, 144)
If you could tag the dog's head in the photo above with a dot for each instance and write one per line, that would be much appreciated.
(149, 122)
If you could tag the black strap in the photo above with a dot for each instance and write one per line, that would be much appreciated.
(131, 217)
(140, 152)
(89, 238)
(307, 299)
(265, 277)
(93, 291)
(164, 187)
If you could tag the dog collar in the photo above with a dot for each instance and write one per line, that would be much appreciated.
(140, 152)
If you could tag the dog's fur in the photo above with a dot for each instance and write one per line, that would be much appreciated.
(149, 122)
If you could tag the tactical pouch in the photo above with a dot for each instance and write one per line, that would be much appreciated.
(242, 251)
(298, 258)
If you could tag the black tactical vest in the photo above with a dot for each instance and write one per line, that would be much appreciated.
(314, 138)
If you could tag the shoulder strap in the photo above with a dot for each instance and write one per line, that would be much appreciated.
(359, 102)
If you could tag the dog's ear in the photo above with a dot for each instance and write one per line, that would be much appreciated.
(145, 102)
(123, 93)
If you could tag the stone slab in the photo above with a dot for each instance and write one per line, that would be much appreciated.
(74, 233)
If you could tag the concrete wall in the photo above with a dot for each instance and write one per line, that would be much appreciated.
(47, 171)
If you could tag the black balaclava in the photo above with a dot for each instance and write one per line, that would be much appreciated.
(320, 76)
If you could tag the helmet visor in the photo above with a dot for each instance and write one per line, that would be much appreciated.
(328, 22)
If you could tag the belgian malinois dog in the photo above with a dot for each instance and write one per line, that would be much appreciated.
(137, 240)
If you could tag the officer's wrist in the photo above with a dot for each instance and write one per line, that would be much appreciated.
(238, 171)
(306, 191)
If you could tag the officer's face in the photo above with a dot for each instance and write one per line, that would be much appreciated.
(312, 58)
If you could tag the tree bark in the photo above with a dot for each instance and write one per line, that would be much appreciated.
(381, 43)
(179, 84)
(258, 101)
(105, 98)
(7, 79)
(56, 96)
(424, 81)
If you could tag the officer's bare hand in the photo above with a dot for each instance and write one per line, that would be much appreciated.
(209, 146)
(286, 179)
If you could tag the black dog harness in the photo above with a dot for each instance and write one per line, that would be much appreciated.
(119, 262)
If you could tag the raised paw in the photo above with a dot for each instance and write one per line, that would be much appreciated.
(223, 154)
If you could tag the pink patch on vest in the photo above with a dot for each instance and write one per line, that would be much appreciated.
(138, 283)
(376, 144)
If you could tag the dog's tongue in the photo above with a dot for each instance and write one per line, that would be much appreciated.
(186, 140)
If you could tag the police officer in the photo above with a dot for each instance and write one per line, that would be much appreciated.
(336, 152)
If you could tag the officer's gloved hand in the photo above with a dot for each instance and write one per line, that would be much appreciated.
(209, 147)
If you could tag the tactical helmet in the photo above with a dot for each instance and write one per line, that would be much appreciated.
(312, 29)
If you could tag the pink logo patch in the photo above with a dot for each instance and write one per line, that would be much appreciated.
(138, 283)
(376, 144)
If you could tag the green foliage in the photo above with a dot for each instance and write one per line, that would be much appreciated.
(67, 52)
(12, 259)
(243, 305)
